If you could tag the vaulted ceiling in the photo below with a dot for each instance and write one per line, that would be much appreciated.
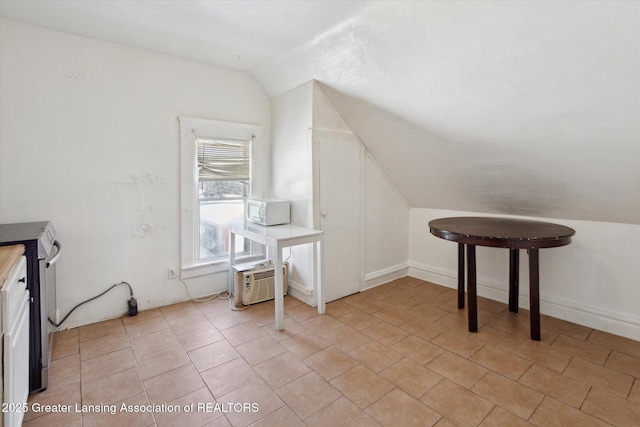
(528, 108)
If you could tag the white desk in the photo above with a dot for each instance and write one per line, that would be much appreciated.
(275, 238)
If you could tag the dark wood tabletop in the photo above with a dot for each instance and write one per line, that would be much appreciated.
(501, 232)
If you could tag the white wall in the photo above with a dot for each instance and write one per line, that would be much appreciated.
(593, 281)
(386, 229)
(89, 140)
(292, 178)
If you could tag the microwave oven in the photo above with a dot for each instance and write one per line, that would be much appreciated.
(268, 211)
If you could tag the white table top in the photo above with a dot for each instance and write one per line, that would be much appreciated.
(283, 235)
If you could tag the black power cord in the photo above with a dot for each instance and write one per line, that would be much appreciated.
(133, 304)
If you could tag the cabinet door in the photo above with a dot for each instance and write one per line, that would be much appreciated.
(340, 185)
(16, 364)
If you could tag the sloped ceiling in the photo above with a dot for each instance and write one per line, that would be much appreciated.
(529, 108)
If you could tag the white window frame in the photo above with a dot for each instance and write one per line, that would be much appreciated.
(189, 202)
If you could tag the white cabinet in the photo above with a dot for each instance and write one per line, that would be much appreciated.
(15, 358)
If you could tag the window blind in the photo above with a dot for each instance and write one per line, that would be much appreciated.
(223, 159)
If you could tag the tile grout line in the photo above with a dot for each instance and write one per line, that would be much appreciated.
(378, 308)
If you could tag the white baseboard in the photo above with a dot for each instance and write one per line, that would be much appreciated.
(377, 278)
(593, 317)
(302, 293)
(371, 280)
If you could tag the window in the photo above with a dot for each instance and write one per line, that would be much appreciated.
(224, 168)
(215, 183)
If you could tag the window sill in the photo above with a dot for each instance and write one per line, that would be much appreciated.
(212, 267)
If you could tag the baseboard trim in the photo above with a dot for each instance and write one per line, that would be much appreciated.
(302, 293)
(377, 278)
(371, 280)
(594, 317)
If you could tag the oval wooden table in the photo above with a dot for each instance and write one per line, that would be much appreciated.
(509, 233)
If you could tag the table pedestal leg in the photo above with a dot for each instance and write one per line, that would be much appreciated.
(514, 277)
(460, 275)
(472, 299)
(534, 293)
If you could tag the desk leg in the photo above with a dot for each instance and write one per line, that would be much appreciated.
(318, 271)
(232, 260)
(460, 275)
(534, 293)
(514, 277)
(278, 289)
(472, 299)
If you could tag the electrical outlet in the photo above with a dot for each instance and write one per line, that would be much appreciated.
(172, 273)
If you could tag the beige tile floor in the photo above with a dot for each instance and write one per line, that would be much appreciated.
(396, 355)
